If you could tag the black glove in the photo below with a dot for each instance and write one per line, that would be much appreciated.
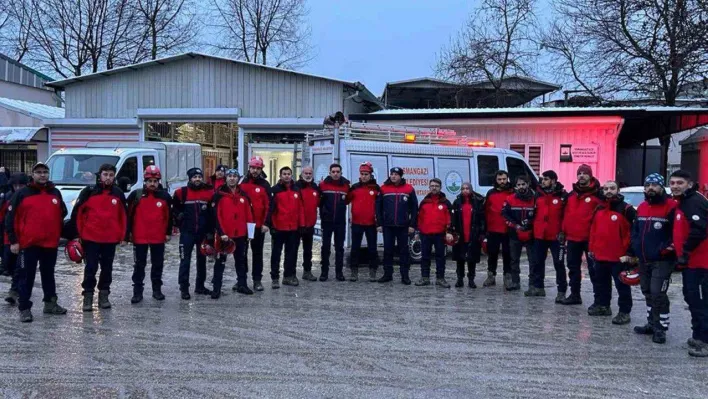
(682, 262)
(561, 237)
(209, 237)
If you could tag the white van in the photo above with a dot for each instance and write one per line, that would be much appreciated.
(73, 169)
(423, 153)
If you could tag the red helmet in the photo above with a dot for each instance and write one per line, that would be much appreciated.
(224, 247)
(366, 167)
(152, 172)
(453, 239)
(256, 162)
(484, 246)
(207, 249)
(630, 277)
(74, 250)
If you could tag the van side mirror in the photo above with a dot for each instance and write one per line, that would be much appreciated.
(124, 184)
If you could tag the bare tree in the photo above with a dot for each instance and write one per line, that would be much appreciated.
(496, 42)
(168, 24)
(268, 32)
(15, 27)
(631, 47)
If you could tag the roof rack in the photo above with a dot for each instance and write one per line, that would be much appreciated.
(386, 133)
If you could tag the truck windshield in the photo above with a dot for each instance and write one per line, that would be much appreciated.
(79, 169)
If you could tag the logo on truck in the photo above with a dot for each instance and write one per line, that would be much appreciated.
(453, 182)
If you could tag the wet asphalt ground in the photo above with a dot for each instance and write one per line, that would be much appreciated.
(338, 339)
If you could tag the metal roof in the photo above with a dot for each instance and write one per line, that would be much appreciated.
(456, 112)
(699, 136)
(20, 134)
(60, 84)
(33, 110)
(23, 66)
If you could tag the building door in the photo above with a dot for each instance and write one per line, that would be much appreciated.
(276, 156)
(208, 165)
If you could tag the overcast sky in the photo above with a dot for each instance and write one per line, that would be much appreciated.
(379, 41)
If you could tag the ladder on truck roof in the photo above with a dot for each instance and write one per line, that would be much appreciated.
(384, 133)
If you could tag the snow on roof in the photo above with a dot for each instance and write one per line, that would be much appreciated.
(452, 111)
(17, 134)
(35, 110)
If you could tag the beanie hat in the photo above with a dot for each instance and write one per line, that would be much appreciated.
(220, 168)
(655, 178)
(584, 168)
(397, 171)
(366, 167)
(232, 172)
(193, 172)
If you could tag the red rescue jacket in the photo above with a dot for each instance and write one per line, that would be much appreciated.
(579, 209)
(434, 214)
(149, 218)
(232, 212)
(217, 183)
(259, 191)
(520, 210)
(549, 213)
(611, 230)
(493, 205)
(287, 210)
(35, 216)
(311, 200)
(100, 214)
(363, 197)
(691, 229)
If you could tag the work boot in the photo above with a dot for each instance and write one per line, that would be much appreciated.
(12, 297)
(294, 280)
(340, 276)
(308, 276)
(258, 286)
(515, 282)
(508, 285)
(103, 302)
(533, 291)
(372, 275)
(405, 279)
(599, 311)
(560, 297)
(470, 282)
(693, 343)
(243, 289)
(88, 302)
(26, 316)
(202, 291)
(460, 282)
(51, 307)
(646, 329)
(324, 277)
(216, 294)
(490, 281)
(157, 294)
(572, 299)
(385, 278)
(621, 319)
(441, 282)
(659, 337)
(423, 281)
(699, 350)
(137, 296)
(275, 284)
(355, 275)
(288, 281)
(185, 295)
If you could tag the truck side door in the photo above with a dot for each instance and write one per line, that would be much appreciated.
(127, 176)
(486, 164)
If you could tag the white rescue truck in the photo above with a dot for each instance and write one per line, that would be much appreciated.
(422, 153)
(73, 169)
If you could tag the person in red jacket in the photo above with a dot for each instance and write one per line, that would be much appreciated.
(497, 235)
(519, 212)
(286, 220)
(101, 223)
(610, 237)
(218, 179)
(34, 222)
(434, 223)
(9, 260)
(232, 214)
(469, 223)
(149, 228)
(691, 242)
(311, 200)
(362, 198)
(550, 204)
(575, 233)
(259, 191)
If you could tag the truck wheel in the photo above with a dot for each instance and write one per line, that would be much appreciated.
(414, 250)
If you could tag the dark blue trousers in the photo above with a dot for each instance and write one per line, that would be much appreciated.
(9, 261)
(358, 232)
(576, 249)
(695, 293)
(27, 269)
(96, 255)
(428, 242)
(328, 231)
(391, 236)
(239, 262)
(187, 243)
(157, 260)
(605, 272)
(291, 241)
(540, 250)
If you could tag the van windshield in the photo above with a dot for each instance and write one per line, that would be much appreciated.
(77, 169)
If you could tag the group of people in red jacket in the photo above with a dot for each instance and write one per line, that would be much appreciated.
(665, 233)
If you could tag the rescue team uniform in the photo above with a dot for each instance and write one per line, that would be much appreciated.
(101, 222)
(190, 208)
(468, 221)
(396, 211)
(34, 220)
(258, 191)
(434, 222)
(518, 212)
(9, 260)
(497, 235)
(691, 242)
(577, 219)
(550, 205)
(149, 223)
(232, 211)
(333, 218)
(285, 218)
(311, 196)
(362, 198)
(652, 243)
(610, 237)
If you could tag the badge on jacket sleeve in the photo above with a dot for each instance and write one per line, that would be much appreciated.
(242, 201)
(695, 218)
(678, 216)
(614, 218)
(658, 225)
(440, 207)
(371, 192)
(54, 201)
(113, 201)
(295, 195)
(258, 190)
(555, 202)
(587, 199)
(159, 204)
(314, 193)
(344, 197)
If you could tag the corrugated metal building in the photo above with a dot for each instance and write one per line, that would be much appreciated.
(20, 82)
(233, 108)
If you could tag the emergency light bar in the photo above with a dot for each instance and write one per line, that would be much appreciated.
(489, 144)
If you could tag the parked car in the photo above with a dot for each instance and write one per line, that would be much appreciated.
(634, 195)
